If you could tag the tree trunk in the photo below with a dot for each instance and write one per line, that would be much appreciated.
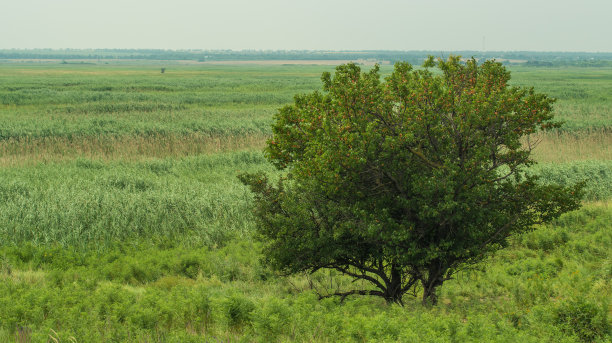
(393, 293)
(435, 278)
(429, 295)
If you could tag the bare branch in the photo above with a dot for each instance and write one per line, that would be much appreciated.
(343, 295)
(362, 276)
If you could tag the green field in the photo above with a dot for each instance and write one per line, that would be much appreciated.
(122, 220)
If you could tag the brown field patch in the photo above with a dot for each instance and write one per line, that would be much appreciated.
(29, 151)
(572, 146)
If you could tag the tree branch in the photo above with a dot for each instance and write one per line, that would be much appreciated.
(343, 295)
(363, 276)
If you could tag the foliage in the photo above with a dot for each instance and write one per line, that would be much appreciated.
(584, 319)
(123, 222)
(403, 183)
(530, 292)
(238, 311)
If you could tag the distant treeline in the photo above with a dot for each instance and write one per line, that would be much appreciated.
(415, 57)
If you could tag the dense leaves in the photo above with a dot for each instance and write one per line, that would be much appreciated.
(403, 182)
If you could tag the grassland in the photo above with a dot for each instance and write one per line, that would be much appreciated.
(121, 218)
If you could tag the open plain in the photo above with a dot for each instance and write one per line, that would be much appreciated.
(122, 219)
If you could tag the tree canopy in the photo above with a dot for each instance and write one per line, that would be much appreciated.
(405, 181)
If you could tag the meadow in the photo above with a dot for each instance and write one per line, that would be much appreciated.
(122, 219)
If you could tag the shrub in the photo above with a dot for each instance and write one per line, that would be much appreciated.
(238, 311)
(583, 318)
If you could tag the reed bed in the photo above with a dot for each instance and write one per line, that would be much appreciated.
(596, 173)
(128, 148)
(564, 146)
(555, 147)
(93, 204)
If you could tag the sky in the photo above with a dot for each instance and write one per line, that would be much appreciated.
(444, 25)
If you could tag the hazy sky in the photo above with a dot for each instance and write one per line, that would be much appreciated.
(542, 25)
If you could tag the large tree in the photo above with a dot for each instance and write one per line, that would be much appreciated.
(404, 182)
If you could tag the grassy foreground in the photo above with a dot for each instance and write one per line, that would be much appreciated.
(551, 285)
(121, 218)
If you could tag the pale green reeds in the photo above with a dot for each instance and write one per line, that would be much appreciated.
(94, 204)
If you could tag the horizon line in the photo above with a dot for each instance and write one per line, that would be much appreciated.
(310, 50)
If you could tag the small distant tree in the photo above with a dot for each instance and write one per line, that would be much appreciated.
(402, 183)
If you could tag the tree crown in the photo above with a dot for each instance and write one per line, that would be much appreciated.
(404, 181)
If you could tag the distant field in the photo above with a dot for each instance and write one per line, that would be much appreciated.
(121, 217)
(297, 62)
(583, 93)
(54, 109)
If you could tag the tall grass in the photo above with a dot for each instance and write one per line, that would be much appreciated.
(583, 95)
(31, 122)
(550, 285)
(597, 175)
(62, 112)
(32, 151)
(98, 154)
(93, 204)
(193, 200)
(564, 146)
(121, 217)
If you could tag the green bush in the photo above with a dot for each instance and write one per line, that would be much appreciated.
(597, 174)
(238, 311)
(545, 238)
(272, 319)
(584, 319)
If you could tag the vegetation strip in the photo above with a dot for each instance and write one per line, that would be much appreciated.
(24, 151)
(123, 220)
